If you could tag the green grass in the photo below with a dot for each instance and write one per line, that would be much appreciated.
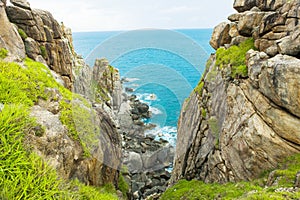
(80, 121)
(23, 175)
(84, 192)
(198, 190)
(27, 83)
(3, 53)
(286, 174)
(123, 185)
(22, 34)
(199, 87)
(235, 58)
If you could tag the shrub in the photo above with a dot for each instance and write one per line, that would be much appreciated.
(3, 53)
(22, 34)
(235, 58)
(239, 71)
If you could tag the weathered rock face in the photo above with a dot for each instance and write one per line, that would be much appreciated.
(82, 78)
(243, 131)
(273, 25)
(109, 82)
(66, 155)
(236, 128)
(9, 37)
(94, 156)
(44, 37)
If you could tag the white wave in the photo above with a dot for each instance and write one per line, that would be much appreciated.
(155, 111)
(167, 133)
(146, 97)
(151, 97)
(131, 79)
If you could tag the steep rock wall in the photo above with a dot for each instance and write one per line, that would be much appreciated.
(9, 37)
(44, 38)
(89, 147)
(234, 128)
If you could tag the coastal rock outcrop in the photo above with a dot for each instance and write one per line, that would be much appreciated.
(97, 162)
(273, 25)
(9, 37)
(44, 38)
(76, 133)
(233, 127)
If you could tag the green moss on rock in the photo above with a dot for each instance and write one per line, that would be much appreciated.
(22, 34)
(235, 58)
(43, 52)
(199, 88)
(3, 53)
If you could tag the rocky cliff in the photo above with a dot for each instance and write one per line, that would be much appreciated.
(76, 133)
(45, 40)
(244, 116)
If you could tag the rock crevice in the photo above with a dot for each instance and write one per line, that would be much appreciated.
(234, 128)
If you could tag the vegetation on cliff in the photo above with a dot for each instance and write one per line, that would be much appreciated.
(235, 58)
(23, 174)
(3, 53)
(277, 185)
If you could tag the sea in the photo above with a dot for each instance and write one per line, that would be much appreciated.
(161, 67)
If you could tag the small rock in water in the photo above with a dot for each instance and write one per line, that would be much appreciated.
(129, 89)
(160, 135)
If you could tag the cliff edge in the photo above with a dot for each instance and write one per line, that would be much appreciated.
(244, 116)
(46, 126)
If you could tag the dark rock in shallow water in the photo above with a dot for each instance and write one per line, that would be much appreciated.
(143, 107)
(129, 90)
(154, 156)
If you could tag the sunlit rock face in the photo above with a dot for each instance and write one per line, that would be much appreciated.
(234, 128)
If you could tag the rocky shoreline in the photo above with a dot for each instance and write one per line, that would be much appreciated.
(145, 160)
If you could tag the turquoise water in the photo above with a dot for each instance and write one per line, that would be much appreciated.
(162, 66)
